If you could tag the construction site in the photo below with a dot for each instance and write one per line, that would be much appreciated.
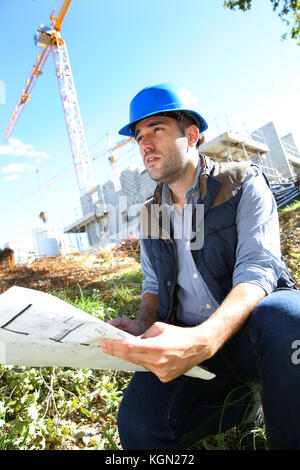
(95, 256)
(109, 199)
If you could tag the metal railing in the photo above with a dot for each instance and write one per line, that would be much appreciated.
(225, 123)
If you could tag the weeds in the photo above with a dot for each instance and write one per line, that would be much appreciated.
(294, 204)
(43, 408)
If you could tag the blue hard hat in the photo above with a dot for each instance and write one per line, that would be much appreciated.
(159, 99)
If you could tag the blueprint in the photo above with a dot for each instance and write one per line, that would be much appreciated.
(40, 330)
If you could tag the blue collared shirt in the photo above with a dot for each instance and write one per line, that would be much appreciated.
(258, 253)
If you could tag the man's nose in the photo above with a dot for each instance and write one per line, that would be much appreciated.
(147, 145)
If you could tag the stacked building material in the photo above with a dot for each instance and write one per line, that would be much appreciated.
(284, 192)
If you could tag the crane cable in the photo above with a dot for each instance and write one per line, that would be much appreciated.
(68, 169)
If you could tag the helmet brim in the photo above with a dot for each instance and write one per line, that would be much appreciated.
(128, 129)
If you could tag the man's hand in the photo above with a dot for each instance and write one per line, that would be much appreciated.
(166, 350)
(144, 319)
(132, 326)
(169, 351)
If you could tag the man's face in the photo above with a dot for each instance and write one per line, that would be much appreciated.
(163, 147)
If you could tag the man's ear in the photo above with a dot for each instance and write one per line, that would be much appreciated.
(192, 133)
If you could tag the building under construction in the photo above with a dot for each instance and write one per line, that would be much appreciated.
(110, 209)
(109, 214)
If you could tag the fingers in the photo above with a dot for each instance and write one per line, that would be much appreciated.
(122, 348)
(120, 322)
(147, 354)
(163, 355)
(155, 330)
(139, 352)
(115, 321)
(135, 350)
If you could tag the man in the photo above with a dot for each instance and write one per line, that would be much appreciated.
(226, 302)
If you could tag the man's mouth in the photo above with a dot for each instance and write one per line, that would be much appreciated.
(150, 159)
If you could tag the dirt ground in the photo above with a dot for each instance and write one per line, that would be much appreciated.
(62, 272)
(67, 271)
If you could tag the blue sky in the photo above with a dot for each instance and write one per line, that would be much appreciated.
(233, 62)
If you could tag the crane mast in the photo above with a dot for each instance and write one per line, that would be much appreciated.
(49, 39)
(77, 139)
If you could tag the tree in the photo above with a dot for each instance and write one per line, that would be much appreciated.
(289, 13)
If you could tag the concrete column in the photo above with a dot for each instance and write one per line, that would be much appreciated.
(245, 152)
(228, 154)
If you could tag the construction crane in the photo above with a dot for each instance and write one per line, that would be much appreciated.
(113, 159)
(49, 40)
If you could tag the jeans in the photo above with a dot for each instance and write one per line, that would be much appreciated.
(177, 414)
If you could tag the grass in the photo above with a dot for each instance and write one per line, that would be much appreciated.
(108, 299)
(121, 296)
(6, 441)
(42, 408)
(293, 205)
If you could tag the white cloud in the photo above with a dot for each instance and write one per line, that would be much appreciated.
(13, 171)
(11, 177)
(15, 168)
(15, 147)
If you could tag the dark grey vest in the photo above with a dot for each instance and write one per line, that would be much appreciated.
(221, 190)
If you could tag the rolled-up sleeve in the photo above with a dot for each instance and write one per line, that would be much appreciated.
(258, 253)
(150, 283)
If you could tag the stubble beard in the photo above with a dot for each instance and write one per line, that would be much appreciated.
(173, 169)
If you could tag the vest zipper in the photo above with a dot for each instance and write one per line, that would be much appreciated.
(171, 314)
